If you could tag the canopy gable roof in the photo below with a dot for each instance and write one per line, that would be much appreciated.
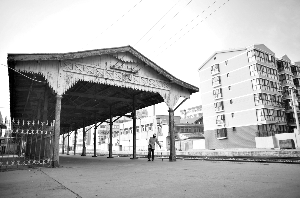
(97, 52)
(94, 84)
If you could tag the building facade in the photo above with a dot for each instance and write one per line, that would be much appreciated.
(192, 115)
(123, 133)
(246, 96)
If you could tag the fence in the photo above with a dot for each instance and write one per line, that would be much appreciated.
(26, 144)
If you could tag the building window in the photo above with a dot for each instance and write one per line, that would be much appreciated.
(220, 120)
(219, 106)
(215, 69)
(221, 133)
(216, 81)
(217, 93)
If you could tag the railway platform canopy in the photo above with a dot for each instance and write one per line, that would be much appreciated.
(77, 89)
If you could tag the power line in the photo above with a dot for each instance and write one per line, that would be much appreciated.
(189, 29)
(155, 25)
(170, 20)
(157, 22)
(187, 24)
(22, 74)
(112, 24)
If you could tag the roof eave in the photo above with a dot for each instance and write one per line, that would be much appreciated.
(219, 52)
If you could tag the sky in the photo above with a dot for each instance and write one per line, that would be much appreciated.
(178, 35)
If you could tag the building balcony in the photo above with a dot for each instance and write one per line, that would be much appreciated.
(288, 83)
(285, 71)
(272, 119)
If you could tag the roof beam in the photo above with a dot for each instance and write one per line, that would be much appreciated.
(82, 108)
(84, 95)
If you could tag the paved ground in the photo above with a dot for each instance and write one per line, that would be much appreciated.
(122, 177)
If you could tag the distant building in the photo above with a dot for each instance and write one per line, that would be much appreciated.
(123, 133)
(192, 115)
(190, 132)
(246, 95)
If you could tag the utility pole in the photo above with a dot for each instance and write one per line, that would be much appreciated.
(295, 110)
(295, 115)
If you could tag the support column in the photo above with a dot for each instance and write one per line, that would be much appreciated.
(75, 141)
(110, 135)
(95, 135)
(63, 145)
(68, 148)
(83, 141)
(38, 117)
(55, 160)
(172, 157)
(45, 110)
(134, 128)
(46, 140)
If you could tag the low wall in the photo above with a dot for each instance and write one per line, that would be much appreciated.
(228, 153)
(273, 141)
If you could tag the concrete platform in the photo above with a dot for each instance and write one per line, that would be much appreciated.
(99, 176)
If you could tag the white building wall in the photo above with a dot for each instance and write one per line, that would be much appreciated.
(142, 137)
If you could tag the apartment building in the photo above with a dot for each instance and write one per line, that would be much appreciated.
(246, 97)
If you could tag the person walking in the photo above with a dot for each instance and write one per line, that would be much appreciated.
(151, 146)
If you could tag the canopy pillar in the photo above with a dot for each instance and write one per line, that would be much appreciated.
(68, 148)
(75, 141)
(63, 145)
(83, 141)
(134, 128)
(45, 108)
(55, 161)
(172, 157)
(95, 135)
(110, 134)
